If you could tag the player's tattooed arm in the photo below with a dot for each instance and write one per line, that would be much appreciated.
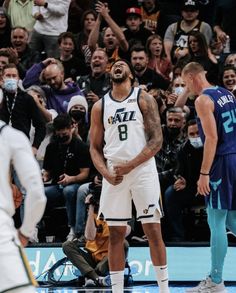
(152, 124)
(153, 132)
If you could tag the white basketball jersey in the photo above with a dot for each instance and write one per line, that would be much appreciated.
(124, 129)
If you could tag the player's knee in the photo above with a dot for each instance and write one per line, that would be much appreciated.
(117, 235)
(153, 232)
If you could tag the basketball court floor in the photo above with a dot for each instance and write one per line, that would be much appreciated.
(144, 288)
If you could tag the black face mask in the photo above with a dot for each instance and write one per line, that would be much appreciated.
(173, 131)
(62, 139)
(77, 115)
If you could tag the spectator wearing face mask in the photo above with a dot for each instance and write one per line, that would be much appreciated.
(78, 111)
(66, 164)
(173, 138)
(170, 96)
(18, 108)
(182, 193)
(176, 89)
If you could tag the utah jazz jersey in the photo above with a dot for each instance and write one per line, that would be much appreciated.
(225, 116)
(124, 128)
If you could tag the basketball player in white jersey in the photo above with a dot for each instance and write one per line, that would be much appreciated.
(15, 149)
(125, 136)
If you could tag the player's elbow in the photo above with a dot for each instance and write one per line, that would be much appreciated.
(159, 141)
(36, 192)
(155, 145)
(158, 148)
(40, 198)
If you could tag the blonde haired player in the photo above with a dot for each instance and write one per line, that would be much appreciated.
(15, 276)
(127, 120)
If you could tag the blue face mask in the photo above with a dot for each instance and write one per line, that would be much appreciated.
(10, 84)
(178, 90)
(196, 142)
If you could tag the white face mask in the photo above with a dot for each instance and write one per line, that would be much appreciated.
(196, 142)
(10, 84)
(178, 90)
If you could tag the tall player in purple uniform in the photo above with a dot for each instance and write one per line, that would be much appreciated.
(216, 111)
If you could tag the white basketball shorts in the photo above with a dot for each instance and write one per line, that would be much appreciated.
(142, 186)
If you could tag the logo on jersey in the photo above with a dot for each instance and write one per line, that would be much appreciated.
(121, 116)
(132, 101)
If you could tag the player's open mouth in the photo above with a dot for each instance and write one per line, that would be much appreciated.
(118, 70)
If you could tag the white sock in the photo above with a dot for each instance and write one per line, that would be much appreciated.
(117, 281)
(162, 278)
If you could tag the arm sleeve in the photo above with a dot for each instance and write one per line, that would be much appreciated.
(30, 177)
(169, 34)
(35, 9)
(207, 32)
(32, 75)
(60, 8)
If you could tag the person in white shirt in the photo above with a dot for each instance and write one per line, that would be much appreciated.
(15, 149)
(51, 20)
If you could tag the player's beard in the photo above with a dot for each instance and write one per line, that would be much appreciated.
(119, 79)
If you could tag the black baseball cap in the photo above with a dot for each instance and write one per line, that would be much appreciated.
(190, 5)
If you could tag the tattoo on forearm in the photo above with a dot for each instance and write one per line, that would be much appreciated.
(152, 122)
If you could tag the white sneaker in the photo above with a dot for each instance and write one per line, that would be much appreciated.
(207, 286)
(71, 234)
(104, 281)
(89, 283)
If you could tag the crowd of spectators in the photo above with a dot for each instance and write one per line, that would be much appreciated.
(55, 58)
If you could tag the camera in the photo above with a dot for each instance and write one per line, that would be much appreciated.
(95, 190)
